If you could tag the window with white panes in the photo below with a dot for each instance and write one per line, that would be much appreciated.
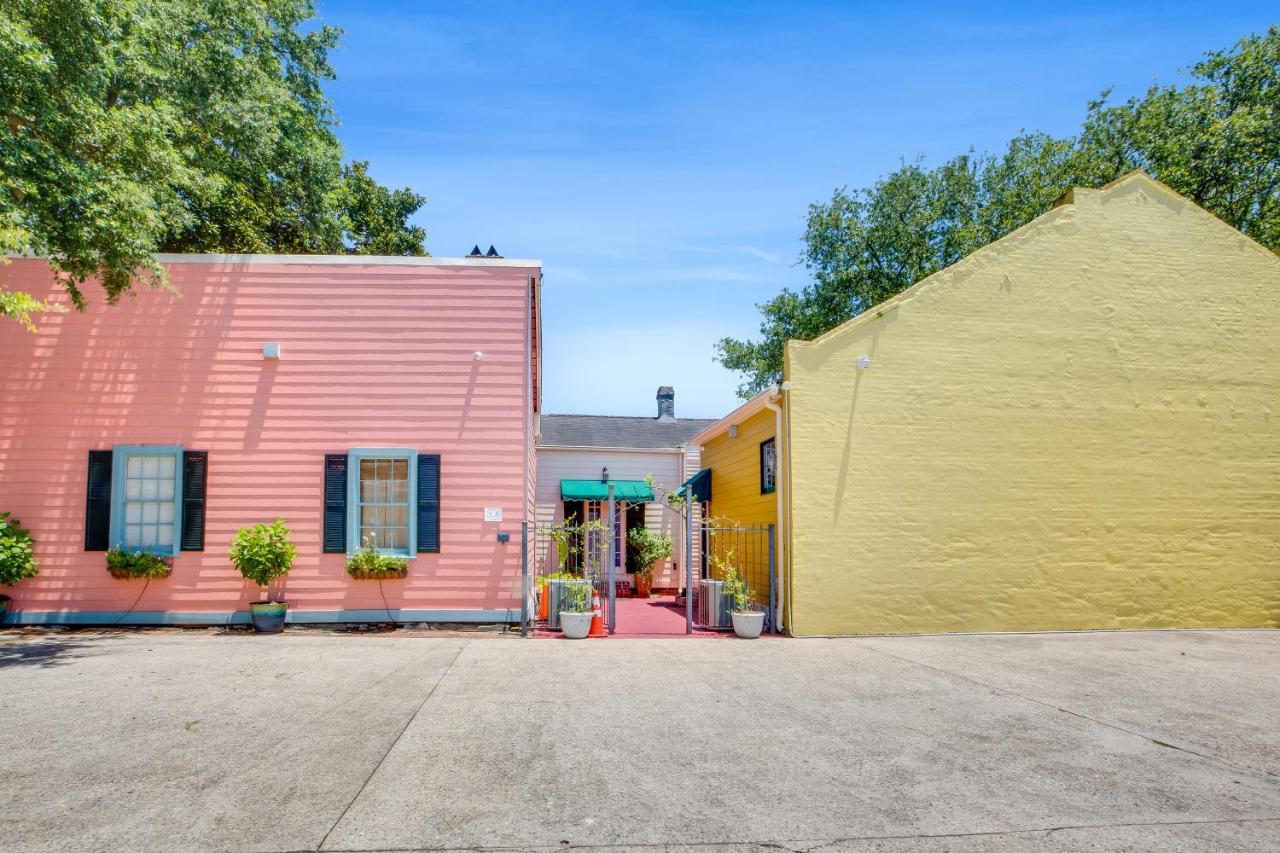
(383, 496)
(147, 498)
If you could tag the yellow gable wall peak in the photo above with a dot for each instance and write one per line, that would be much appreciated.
(1073, 427)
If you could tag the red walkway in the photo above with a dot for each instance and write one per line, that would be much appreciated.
(653, 617)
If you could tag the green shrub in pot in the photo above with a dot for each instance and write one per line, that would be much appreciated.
(263, 554)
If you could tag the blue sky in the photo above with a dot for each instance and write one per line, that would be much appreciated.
(659, 157)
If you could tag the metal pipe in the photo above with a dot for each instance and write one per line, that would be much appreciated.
(688, 559)
(524, 578)
(772, 573)
(613, 561)
(781, 484)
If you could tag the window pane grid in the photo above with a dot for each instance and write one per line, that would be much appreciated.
(384, 503)
(150, 503)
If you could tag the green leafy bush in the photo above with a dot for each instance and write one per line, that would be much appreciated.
(127, 565)
(263, 552)
(647, 548)
(368, 564)
(17, 551)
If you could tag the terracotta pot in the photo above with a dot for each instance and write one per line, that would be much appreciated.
(644, 586)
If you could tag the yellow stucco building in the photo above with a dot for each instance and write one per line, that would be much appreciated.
(1076, 427)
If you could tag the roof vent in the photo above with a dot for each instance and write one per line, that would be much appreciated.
(475, 252)
(492, 253)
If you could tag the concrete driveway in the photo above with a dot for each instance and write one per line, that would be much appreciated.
(201, 740)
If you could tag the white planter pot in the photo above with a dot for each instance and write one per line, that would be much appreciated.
(576, 626)
(748, 625)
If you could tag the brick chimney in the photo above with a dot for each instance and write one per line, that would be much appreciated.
(666, 403)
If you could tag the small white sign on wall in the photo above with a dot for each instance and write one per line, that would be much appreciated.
(493, 513)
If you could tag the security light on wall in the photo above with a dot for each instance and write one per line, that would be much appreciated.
(863, 362)
(271, 352)
(477, 355)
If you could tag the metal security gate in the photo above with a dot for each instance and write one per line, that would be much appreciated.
(735, 555)
(729, 555)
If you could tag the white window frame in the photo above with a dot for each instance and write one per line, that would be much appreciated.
(354, 457)
(120, 455)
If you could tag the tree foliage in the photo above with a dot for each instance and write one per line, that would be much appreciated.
(138, 126)
(1216, 141)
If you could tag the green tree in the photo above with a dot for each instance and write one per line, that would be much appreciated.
(137, 126)
(1216, 141)
(373, 217)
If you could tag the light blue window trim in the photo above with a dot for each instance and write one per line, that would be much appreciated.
(354, 457)
(120, 456)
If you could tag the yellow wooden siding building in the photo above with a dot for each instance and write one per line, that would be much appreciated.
(1076, 427)
(732, 450)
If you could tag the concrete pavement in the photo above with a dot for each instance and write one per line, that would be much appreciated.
(312, 740)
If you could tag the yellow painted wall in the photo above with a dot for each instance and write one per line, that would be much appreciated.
(1075, 427)
(736, 498)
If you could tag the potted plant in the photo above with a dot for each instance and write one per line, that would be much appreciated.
(17, 556)
(264, 553)
(128, 565)
(368, 564)
(575, 610)
(748, 621)
(647, 548)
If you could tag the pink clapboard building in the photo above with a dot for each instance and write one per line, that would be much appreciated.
(392, 398)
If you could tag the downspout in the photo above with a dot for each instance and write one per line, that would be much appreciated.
(781, 484)
(529, 427)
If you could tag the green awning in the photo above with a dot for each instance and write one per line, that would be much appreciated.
(701, 483)
(631, 491)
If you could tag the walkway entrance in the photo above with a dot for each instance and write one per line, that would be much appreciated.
(723, 566)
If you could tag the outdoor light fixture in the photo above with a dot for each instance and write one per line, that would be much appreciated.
(604, 474)
(271, 352)
(863, 362)
(477, 355)
(733, 430)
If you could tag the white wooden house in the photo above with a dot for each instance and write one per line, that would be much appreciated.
(579, 455)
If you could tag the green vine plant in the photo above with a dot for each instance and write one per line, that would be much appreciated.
(17, 551)
(673, 498)
(575, 597)
(369, 564)
(734, 585)
(263, 553)
(130, 565)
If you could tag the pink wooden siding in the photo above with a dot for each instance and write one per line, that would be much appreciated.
(373, 355)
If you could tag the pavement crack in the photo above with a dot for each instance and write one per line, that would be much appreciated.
(396, 740)
(804, 845)
(1265, 774)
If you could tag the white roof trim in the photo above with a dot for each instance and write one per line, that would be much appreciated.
(738, 415)
(344, 260)
(594, 449)
(348, 260)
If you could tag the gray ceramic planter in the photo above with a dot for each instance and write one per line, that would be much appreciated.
(575, 626)
(748, 625)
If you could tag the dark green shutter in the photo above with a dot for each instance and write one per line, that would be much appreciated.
(428, 503)
(335, 503)
(97, 510)
(195, 467)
